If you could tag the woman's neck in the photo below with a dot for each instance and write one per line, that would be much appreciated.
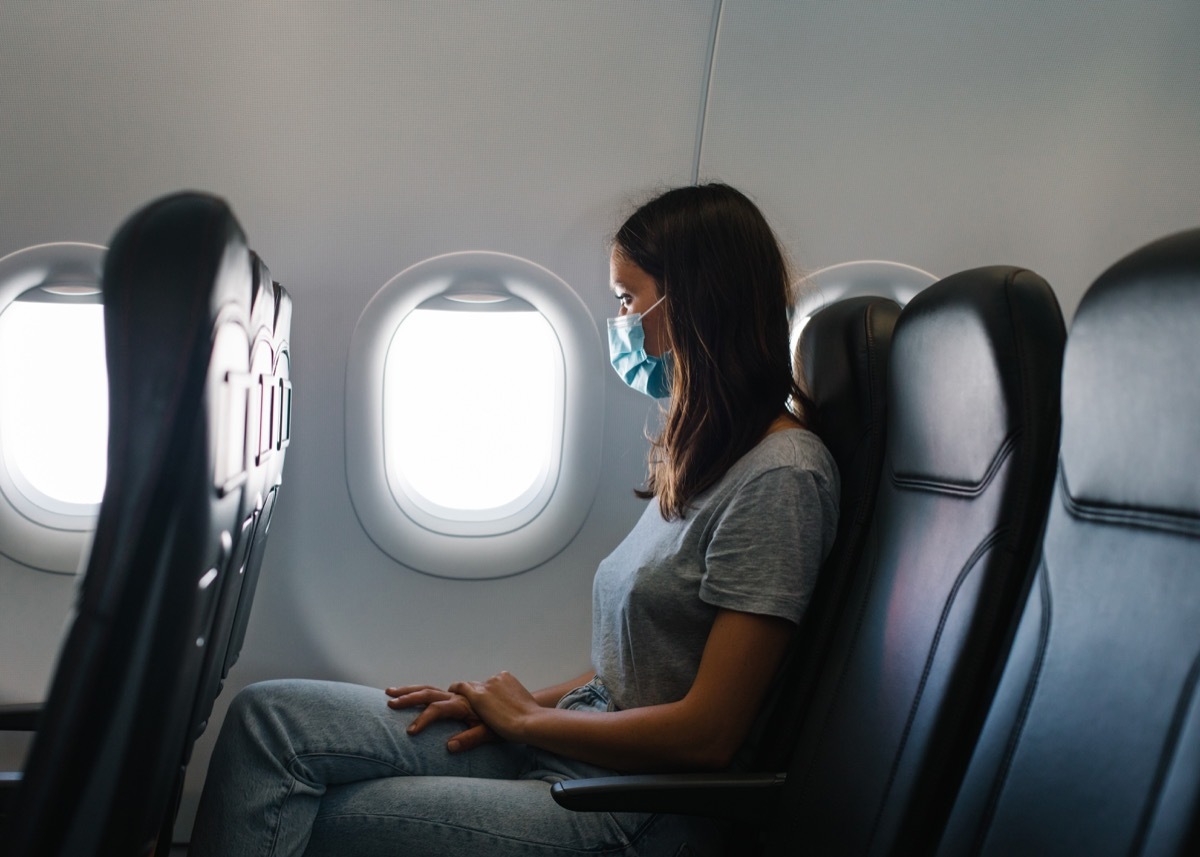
(785, 420)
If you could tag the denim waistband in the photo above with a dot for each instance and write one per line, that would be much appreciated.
(592, 696)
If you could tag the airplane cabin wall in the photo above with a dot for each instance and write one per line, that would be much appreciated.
(354, 140)
(1058, 136)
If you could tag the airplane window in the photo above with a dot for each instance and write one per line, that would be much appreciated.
(844, 280)
(433, 445)
(54, 395)
(474, 400)
(53, 404)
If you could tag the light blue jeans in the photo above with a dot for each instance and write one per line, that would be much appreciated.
(323, 768)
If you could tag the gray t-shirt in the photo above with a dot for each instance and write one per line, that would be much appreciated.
(753, 542)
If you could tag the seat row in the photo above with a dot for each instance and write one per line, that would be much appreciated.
(198, 358)
(1003, 651)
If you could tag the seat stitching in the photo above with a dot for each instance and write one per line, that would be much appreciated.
(1026, 703)
(1170, 748)
(961, 489)
(1179, 522)
(980, 551)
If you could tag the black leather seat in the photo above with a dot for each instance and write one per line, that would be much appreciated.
(841, 360)
(266, 390)
(276, 403)
(1093, 742)
(177, 298)
(972, 433)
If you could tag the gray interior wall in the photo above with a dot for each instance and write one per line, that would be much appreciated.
(1054, 135)
(354, 140)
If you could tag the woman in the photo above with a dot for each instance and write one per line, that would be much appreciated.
(692, 613)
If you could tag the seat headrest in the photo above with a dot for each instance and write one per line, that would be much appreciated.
(188, 226)
(953, 414)
(1131, 396)
(841, 361)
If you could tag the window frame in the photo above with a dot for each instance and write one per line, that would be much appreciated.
(502, 518)
(519, 539)
(858, 278)
(51, 535)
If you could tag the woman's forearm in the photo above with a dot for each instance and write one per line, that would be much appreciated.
(702, 731)
(661, 738)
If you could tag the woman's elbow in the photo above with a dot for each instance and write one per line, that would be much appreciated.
(717, 759)
(705, 741)
(710, 752)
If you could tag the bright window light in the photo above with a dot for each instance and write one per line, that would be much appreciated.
(54, 399)
(469, 402)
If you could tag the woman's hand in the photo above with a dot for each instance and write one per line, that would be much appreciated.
(501, 702)
(441, 705)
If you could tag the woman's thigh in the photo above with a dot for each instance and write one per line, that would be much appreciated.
(284, 743)
(425, 816)
(333, 759)
(327, 733)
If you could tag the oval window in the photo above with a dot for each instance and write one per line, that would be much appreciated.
(434, 449)
(845, 280)
(468, 453)
(53, 403)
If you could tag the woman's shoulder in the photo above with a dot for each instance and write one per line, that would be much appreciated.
(791, 447)
(796, 449)
(787, 473)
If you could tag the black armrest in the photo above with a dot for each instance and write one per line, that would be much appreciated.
(740, 797)
(22, 717)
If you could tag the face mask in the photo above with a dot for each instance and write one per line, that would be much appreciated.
(627, 353)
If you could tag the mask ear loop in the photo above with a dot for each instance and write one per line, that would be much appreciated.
(653, 307)
(624, 321)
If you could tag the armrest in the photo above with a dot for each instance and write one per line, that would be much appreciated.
(740, 797)
(22, 717)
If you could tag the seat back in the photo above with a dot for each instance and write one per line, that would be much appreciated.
(1093, 743)
(841, 362)
(277, 417)
(177, 292)
(258, 387)
(972, 430)
(263, 394)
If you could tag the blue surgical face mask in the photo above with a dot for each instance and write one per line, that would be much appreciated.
(627, 353)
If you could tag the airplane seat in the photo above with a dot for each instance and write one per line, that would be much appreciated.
(177, 292)
(973, 391)
(261, 389)
(971, 432)
(1093, 742)
(841, 362)
(260, 439)
(277, 400)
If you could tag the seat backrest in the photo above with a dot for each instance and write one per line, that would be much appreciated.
(266, 389)
(1093, 742)
(972, 430)
(277, 411)
(257, 389)
(177, 294)
(841, 362)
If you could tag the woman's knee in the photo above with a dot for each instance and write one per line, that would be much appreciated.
(301, 715)
(255, 702)
(271, 712)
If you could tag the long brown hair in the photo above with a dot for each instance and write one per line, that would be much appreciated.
(715, 258)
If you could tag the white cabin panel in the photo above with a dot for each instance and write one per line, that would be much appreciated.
(1051, 135)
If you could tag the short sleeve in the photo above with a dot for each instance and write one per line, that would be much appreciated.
(768, 544)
